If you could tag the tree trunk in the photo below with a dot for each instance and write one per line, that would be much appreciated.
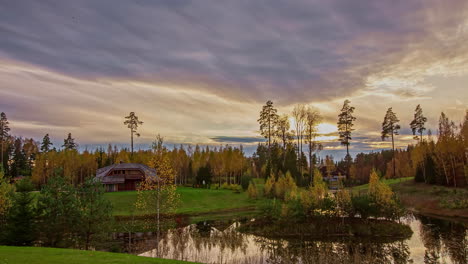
(1, 153)
(131, 132)
(157, 222)
(393, 147)
(454, 172)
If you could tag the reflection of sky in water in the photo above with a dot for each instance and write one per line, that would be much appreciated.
(228, 246)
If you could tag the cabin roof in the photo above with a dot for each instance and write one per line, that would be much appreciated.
(102, 172)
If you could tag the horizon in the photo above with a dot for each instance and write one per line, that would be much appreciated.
(199, 73)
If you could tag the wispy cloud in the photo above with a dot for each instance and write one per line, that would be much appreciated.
(195, 70)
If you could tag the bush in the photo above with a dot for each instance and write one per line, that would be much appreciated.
(252, 191)
(25, 185)
(271, 210)
(284, 185)
(268, 189)
(362, 206)
(245, 181)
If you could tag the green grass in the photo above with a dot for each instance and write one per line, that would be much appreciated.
(194, 201)
(38, 255)
(386, 181)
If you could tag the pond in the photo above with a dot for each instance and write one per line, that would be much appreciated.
(433, 241)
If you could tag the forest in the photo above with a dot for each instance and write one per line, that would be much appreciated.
(434, 159)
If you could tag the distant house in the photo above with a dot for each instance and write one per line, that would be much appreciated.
(334, 178)
(124, 176)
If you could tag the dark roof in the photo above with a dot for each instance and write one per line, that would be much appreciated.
(102, 172)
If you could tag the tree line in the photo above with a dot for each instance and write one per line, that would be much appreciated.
(441, 160)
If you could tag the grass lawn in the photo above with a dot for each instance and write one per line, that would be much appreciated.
(387, 181)
(38, 255)
(193, 201)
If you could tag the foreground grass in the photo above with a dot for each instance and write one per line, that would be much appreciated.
(38, 255)
(433, 200)
(194, 201)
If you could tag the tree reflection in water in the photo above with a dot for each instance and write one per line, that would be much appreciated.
(444, 242)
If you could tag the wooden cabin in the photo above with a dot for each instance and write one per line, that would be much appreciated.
(124, 176)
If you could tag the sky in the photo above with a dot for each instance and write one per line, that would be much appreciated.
(198, 72)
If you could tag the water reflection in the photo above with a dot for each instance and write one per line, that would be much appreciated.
(433, 241)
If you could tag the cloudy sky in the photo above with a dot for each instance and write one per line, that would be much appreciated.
(200, 71)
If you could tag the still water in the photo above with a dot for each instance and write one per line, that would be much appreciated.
(433, 241)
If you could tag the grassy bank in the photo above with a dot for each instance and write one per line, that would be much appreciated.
(390, 182)
(433, 200)
(38, 255)
(194, 201)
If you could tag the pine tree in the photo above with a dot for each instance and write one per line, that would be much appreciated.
(268, 120)
(4, 134)
(345, 128)
(45, 145)
(390, 128)
(132, 122)
(345, 124)
(69, 143)
(417, 125)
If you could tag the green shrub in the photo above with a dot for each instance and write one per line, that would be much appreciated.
(245, 181)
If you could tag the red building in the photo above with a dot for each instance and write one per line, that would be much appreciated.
(124, 176)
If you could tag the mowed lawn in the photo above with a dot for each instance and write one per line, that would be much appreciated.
(387, 181)
(193, 201)
(38, 255)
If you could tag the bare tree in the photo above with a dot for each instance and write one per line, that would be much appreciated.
(313, 119)
(300, 116)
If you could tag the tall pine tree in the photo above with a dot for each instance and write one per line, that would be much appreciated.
(69, 143)
(45, 145)
(390, 128)
(345, 128)
(132, 122)
(268, 120)
(417, 125)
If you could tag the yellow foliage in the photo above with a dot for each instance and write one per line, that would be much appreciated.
(159, 193)
(269, 186)
(284, 185)
(343, 200)
(379, 191)
(252, 191)
(319, 189)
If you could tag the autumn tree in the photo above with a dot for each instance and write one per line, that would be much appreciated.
(4, 134)
(69, 143)
(158, 194)
(390, 128)
(417, 125)
(345, 125)
(282, 130)
(132, 123)
(46, 143)
(300, 117)
(312, 120)
(268, 121)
